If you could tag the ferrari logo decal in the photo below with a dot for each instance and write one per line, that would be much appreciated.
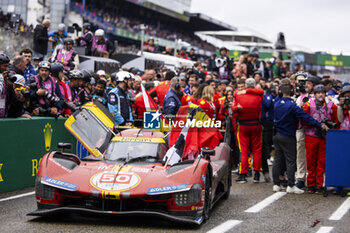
(47, 136)
(1, 179)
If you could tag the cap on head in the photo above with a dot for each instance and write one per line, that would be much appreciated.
(67, 41)
(75, 74)
(87, 26)
(56, 68)
(20, 80)
(99, 32)
(122, 75)
(319, 88)
(61, 27)
(315, 80)
(344, 90)
(44, 64)
(4, 59)
(101, 73)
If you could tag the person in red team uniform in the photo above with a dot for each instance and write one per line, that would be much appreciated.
(248, 106)
(207, 102)
(161, 90)
(139, 104)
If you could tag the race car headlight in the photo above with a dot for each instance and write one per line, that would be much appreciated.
(42, 190)
(189, 197)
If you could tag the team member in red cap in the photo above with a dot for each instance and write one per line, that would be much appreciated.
(248, 104)
(315, 141)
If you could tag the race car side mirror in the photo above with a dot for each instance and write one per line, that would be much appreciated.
(64, 146)
(207, 151)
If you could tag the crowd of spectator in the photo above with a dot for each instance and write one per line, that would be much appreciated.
(152, 29)
(259, 96)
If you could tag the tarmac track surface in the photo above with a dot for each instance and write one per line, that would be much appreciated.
(250, 208)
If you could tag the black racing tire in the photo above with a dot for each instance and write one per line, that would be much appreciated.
(207, 197)
(229, 183)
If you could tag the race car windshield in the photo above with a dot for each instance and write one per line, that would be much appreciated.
(131, 151)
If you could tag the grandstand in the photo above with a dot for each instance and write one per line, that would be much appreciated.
(169, 25)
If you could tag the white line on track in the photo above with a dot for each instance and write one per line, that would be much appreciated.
(341, 211)
(223, 227)
(267, 201)
(17, 196)
(325, 229)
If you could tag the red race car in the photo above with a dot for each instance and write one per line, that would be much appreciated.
(133, 172)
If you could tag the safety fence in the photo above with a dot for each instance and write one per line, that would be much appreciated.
(23, 142)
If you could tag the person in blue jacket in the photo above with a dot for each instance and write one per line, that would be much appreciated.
(172, 101)
(286, 116)
(267, 113)
(119, 101)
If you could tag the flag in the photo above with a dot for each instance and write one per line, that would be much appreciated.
(186, 140)
(150, 106)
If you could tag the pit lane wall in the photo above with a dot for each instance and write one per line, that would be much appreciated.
(23, 142)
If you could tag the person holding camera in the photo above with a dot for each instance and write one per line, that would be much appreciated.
(344, 107)
(86, 39)
(315, 140)
(223, 64)
(11, 97)
(306, 84)
(45, 91)
(101, 44)
(67, 56)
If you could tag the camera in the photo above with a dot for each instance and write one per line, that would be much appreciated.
(219, 62)
(346, 101)
(69, 106)
(321, 133)
(24, 91)
(301, 85)
(51, 98)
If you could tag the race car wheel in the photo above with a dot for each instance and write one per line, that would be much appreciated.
(207, 197)
(228, 183)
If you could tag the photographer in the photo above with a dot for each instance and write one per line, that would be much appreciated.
(67, 56)
(306, 84)
(86, 39)
(73, 87)
(11, 100)
(45, 92)
(344, 107)
(315, 140)
(223, 64)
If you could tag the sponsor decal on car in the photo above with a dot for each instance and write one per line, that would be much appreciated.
(59, 184)
(115, 181)
(135, 139)
(199, 220)
(167, 189)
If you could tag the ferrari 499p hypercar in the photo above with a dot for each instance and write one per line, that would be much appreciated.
(128, 172)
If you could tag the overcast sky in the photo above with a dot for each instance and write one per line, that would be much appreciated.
(319, 25)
